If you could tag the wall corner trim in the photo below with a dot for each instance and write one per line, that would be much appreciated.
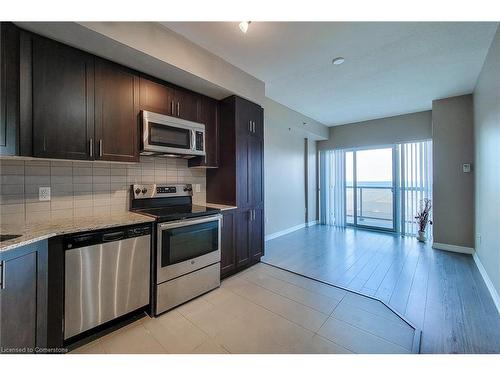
(274, 235)
(453, 248)
(488, 282)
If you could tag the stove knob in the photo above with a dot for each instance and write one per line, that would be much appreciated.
(137, 191)
(144, 190)
(188, 189)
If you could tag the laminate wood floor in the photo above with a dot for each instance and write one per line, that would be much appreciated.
(440, 292)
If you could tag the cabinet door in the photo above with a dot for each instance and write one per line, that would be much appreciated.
(258, 119)
(18, 298)
(241, 232)
(256, 171)
(9, 88)
(116, 114)
(156, 97)
(62, 100)
(257, 235)
(209, 117)
(243, 172)
(187, 105)
(228, 254)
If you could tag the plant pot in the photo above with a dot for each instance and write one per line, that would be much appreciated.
(421, 236)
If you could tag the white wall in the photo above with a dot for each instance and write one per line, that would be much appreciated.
(487, 169)
(284, 166)
(453, 190)
(404, 128)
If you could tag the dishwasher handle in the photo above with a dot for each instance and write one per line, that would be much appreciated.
(114, 236)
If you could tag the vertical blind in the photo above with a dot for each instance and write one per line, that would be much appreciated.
(415, 182)
(332, 188)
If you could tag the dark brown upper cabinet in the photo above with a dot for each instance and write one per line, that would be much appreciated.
(156, 97)
(209, 115)
(186, 105)
(61, 101)
(160, 97)
(240, 155)
(9, 88)
(116, 113)
(74, 105)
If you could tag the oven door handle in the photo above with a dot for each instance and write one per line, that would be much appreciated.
(185, 223)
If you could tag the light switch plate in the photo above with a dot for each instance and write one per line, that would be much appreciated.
(466, 168)
(197, 188)
(44, 193)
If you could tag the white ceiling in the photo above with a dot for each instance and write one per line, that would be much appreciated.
(389, 69)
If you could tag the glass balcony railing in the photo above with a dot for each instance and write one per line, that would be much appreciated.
(374, 206)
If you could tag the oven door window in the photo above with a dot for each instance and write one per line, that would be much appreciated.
(183, 243)
(169, 136)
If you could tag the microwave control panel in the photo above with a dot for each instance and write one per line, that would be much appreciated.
(199, 141)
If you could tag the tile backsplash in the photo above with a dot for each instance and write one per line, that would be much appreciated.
(81, 189)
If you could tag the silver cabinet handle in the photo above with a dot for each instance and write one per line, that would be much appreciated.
(91, 147)
(250, 126)
(253, 122)
(178, 109)
(2, 274)
(100, 147)
(172, 107)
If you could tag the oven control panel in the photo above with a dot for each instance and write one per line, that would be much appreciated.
(161, 191)
(166, 189)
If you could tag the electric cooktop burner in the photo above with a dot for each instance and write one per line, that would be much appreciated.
(178, 212)
(167, 202)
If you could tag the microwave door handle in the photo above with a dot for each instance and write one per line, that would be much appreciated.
(193, 140)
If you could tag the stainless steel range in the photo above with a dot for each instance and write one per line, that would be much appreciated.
(188, 241)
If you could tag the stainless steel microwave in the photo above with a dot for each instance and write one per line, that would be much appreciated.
(167, 135)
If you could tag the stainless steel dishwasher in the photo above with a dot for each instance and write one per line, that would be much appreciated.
(107, 275)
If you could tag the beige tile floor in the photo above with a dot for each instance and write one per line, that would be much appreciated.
(266, 310)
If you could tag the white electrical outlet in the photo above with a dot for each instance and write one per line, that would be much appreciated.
(44, 193)
(197, 188)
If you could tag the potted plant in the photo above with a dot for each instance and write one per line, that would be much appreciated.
(423, 218)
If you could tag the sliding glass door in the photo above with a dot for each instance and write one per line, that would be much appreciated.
(370, 188)
(379, 188)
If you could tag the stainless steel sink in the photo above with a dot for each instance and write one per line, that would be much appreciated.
(6, 237)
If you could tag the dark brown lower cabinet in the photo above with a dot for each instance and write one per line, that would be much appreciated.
(228, 255)
(257, 234)
(242, 239)
(23, 299)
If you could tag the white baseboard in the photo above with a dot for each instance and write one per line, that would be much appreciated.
(453, 248)
(289, 230)
(487, 281)
(311, 223)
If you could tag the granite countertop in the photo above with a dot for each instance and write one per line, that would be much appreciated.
(221, 207)
(40, 231)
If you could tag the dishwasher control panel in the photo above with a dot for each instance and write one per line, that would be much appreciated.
(74, 241)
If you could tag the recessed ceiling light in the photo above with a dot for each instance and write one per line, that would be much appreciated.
(338, 61)
(244, 26)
